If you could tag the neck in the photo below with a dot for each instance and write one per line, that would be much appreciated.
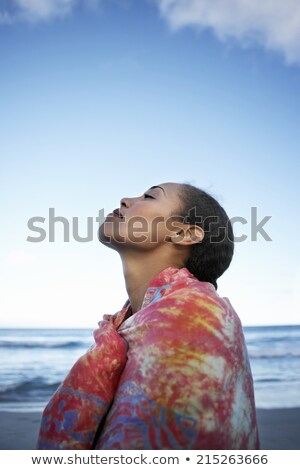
(139, 270)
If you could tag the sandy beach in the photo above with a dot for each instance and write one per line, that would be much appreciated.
(279, 429)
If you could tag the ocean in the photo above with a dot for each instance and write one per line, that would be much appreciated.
(33, 362)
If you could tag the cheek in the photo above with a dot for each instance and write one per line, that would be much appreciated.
(141, 231)
(156, 227)
(157, 230)
(136, 231)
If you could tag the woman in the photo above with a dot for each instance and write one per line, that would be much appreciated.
(169, 370)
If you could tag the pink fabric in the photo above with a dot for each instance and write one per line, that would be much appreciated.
(175, 375)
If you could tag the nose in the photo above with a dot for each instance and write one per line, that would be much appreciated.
(125, 202)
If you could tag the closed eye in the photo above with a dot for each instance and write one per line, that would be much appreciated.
(148, 195)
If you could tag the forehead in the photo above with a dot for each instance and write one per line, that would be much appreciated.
(170, 189)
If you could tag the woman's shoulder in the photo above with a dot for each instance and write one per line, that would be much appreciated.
(201, 299)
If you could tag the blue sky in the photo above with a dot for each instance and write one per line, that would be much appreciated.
(104, 99)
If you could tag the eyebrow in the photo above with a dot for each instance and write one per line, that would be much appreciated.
(153, 187)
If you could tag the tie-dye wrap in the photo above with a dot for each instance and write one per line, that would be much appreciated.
(72, 416)
(186, 383)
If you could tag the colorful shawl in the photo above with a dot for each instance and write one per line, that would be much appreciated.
(174, 375)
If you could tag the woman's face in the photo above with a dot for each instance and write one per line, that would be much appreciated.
(143, 222)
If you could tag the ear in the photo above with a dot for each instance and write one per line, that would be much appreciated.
(188, 235)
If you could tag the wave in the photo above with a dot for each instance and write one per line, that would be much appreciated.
(279, 338)
(284, 379)
(261, 353)
(28, 390)
(271, 380)
(41, 344)
(273, 355)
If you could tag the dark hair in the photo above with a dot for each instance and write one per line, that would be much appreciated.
(210, 258)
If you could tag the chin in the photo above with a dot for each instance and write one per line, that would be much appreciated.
(103, 237)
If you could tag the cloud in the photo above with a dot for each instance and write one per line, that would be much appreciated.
(39, 10)
(274, 24)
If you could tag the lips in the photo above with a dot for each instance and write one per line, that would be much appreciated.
(117, 213)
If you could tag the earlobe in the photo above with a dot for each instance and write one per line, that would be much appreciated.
(196, 234)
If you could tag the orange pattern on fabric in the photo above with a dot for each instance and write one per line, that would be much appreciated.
(184, 383)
